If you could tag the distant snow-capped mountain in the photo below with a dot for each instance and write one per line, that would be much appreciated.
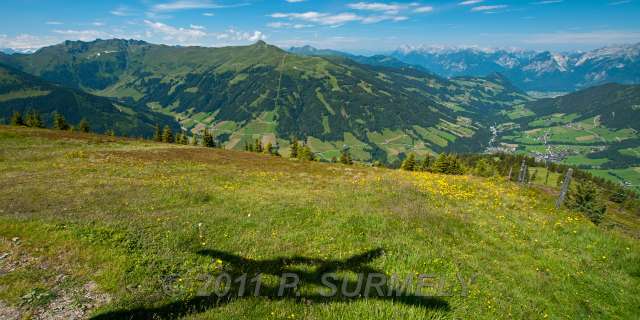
(531, 70)
(14, 50)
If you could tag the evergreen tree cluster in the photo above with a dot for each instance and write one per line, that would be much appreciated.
(59, 122)
(182, 138)
(258, 147)
(301, 151)
(445, 164)
(33, 119)
(166, 135)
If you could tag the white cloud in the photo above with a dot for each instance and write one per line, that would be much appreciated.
(470, 2)
(376, 19)
(320, 18)
(378, 6)
(170, 33)
(191, 5)
(208, 14)
(615, 3)
(387, 13)
(84, 35)
(196, 27)
(26, 41)
(295, 1)
(235, 35)
(594, 38)
(282, 25)
(423, 9)
(98, 24)
(53, 23)
(122, 11)
(489, 8)
(547, 2)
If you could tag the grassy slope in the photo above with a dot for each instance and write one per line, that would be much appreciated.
(123, 213)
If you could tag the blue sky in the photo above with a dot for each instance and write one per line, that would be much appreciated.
(356, 26)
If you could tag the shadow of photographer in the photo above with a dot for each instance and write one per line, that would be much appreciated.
(237, 266)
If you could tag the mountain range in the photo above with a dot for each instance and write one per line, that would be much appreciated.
(537, 71)
(262, 92)
(532, 70)
(380, 107)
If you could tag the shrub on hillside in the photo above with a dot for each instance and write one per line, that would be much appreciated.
(484, 168)
(584, 198)
(83, 126)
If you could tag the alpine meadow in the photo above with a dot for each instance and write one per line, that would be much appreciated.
(305, 159)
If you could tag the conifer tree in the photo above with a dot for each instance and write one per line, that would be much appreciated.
(426, 163)
(258, 146)
(409, 164)
(534, 176)
(442, 164)
(83, 126)
(306, 153)
(448, 164)
(455, 167)
(59, 122)
(16, 119)
(484, 168)
(207, 139)
(194, 140)
(33, 119)
(294, 148)
(585, 198)
(157, 134)
(345, 157)
(185, 138)
(110, 133)
(167, 135)
(619, 195)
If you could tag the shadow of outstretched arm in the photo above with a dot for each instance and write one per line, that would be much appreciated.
(239, 265)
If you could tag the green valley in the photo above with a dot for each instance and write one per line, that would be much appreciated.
(595, 129)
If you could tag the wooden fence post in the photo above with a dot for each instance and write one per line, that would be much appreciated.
(523, 170)
(565, 188)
